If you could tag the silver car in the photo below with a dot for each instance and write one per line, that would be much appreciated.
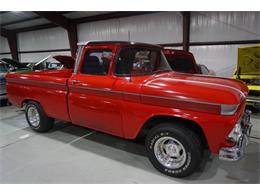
(3, 71)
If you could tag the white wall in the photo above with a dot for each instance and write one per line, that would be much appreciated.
(220, 58)
(163, 27)
(46, 39)
(5, 56)
(4, 47)
(52, 38)
(224, 26)
(35, 57)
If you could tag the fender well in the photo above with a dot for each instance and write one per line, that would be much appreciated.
(27, 100)
(155, 120)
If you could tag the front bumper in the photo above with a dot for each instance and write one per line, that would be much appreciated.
(237, 152)
(253, 101)
(3, 96)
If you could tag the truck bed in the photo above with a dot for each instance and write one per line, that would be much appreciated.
(48, 87)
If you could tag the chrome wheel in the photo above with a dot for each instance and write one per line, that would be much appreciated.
(33, 116)
(170, 152)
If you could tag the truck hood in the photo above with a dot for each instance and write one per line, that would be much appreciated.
(14, 63)
(196, 88)
(67, 61)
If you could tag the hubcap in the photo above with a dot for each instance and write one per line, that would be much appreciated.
(170, 152)
(33, 116)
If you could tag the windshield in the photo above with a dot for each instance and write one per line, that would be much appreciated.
(3, 68)
(141, 61)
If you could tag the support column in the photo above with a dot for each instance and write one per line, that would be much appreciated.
(12, 41)
(186, 30)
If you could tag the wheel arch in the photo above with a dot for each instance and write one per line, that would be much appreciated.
(25, 101)
(158, 119)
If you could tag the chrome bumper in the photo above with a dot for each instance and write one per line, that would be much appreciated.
(237, 152)
(254, 101)
(3, 96)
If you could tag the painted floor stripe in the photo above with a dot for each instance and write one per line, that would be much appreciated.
(77, 139)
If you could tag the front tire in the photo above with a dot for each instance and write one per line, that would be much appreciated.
(174, 149)
(37, 118)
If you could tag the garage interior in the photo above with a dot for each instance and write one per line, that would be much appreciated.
(72, 154)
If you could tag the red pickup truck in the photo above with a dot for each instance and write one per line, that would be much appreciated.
(128, 89)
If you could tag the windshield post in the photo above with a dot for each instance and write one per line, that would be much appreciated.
(78, 55)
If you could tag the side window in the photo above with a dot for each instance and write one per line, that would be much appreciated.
(96, 62)
(134, 61)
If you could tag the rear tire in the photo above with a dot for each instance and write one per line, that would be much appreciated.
(37, 118)
(174, 149)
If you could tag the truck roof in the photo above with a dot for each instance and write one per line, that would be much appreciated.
(118, 43)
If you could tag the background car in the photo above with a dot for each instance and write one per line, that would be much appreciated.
(15, 66)
(3, 71)
(54, 63)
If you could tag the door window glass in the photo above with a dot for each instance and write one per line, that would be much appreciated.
(96, 62)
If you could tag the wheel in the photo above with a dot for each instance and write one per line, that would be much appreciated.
(174, 149)
(37, 118)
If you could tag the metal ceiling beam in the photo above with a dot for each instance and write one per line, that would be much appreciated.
(2, 12)
(85, 20)
(236, 42)
(66, 23)
(12, 41)
(36, 27)
(29, 19)
(56, 18)
(186, 30)
(3, 32)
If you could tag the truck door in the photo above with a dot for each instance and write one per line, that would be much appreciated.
(92, 101)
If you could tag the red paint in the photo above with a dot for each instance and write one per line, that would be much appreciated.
(121, 105)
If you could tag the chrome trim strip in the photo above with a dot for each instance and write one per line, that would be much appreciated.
(183, 100)
(152, 96)
(215, 84)
(253, 100)
(34, 81)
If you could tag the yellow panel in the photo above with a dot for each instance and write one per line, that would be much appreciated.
(249, 60)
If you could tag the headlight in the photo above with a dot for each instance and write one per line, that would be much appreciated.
(2, 80)
(236, 133)
(228, 109)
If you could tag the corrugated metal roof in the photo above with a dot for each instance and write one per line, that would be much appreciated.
(14, 16)
(27, 24)
(21, 19)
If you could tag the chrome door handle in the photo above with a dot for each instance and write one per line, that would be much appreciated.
(75, 81)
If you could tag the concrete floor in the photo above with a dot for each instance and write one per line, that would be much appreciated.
(72, 154)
